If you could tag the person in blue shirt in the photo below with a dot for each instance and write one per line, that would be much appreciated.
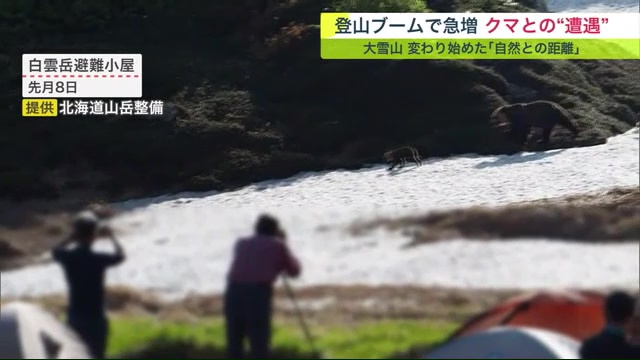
(611, 342)
(84, 271)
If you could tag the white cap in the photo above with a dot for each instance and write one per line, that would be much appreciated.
(87, 217)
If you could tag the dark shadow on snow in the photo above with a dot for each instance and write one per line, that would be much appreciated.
(401, 171)
(517, 158)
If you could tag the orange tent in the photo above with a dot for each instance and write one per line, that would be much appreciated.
(578, 314)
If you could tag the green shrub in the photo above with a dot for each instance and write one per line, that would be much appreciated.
(259, 101)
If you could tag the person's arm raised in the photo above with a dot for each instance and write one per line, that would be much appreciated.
(60, 250)
(119, 255)
(292, 266)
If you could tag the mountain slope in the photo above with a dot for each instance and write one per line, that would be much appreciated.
(182, 243)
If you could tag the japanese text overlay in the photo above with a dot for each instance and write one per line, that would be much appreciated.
(81, 75)
(583, 36)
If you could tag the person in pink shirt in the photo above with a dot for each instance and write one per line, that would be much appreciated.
(258, 260)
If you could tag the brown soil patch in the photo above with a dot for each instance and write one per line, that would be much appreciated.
(29, 229)
(320, 304)
(328, 304)
(7, 250)
(613, 215)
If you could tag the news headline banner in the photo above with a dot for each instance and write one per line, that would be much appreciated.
(82, 75)
(553, 36)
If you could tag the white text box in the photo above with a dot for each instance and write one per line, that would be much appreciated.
(82, 75)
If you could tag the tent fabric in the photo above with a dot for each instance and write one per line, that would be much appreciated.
(578, 314)
(508, 343)
(29, 332)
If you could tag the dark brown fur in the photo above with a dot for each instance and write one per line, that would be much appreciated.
(400, 156)
(520, 118)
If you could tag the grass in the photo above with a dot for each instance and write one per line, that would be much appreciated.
(204, 338)
(360, 321)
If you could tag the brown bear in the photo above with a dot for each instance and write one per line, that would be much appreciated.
(520, 118)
